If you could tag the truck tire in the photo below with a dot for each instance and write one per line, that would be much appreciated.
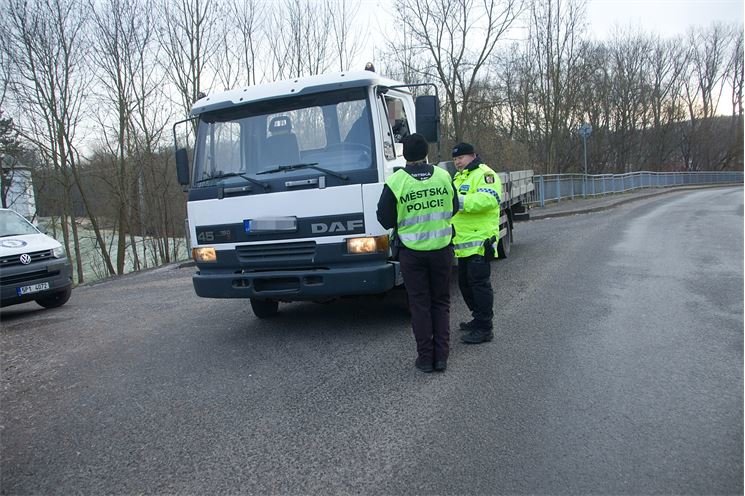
(56, 299)
(264, 309)
(503, 247)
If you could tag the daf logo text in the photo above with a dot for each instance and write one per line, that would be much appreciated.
(336, 226)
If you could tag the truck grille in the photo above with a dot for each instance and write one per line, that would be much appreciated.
(303, 251)
(13, 260)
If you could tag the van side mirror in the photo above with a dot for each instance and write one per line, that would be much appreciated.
(428, 117)
(182, 166)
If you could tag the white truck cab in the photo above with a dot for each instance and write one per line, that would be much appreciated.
(284, 184)
(33, 266)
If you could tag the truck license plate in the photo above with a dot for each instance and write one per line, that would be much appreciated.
(34, 288)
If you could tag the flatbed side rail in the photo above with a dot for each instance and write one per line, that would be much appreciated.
(517, 187)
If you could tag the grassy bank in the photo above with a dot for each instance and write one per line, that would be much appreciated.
(148, 250)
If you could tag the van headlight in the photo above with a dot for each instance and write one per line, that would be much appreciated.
(368, 244)
(205, 254)
(58, 252)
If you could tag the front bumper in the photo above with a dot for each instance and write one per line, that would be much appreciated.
(57, 272)
(296, 285)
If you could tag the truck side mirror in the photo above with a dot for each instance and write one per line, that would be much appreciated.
(182, 166)
(428, 117)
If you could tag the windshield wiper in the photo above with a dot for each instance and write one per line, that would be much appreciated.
(235, 174)
(309, 165)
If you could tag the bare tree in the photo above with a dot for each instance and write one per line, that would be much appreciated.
(9, 142)
(150, 118)
(47, 49)
(347, 41)
(459, 37)
(10, 149)
(236, 60)
(555, 29)
(702, 91)
(734, 79)
(188, 33)
(629, 58)
(121, 34)
(299, 44)
(667, 63)
(595, 103)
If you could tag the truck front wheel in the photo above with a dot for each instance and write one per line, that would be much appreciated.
(264, 308)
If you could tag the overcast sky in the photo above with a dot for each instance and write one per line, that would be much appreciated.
(668, 18)
(664, 17)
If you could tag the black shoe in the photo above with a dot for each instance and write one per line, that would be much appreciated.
(474, 325)
(440, 365)
(468, 326)
(424, 366)
(476, 337)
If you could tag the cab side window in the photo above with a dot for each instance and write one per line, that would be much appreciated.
(388, 149)
(397, 120)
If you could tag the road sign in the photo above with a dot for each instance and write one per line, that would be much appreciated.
(585, 130)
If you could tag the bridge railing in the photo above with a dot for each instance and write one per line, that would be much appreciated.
(557, 187)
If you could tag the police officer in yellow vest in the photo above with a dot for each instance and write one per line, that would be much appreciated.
(419, 201)
(476, 228)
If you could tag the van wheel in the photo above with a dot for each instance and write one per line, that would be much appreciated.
(503, 247)
(55, 300)
(264, 309)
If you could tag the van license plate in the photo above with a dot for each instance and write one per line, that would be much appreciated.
(34, 288)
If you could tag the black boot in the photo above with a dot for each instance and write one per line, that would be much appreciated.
(478, 336)
(474, 325)
(424, 365)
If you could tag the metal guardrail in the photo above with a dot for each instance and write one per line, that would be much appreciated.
(555, 187)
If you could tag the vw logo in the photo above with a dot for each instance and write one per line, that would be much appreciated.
(25, 259)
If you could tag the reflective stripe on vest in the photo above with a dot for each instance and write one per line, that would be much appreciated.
(425, 218)
(424, 209)
(422, 236)
(470, 244)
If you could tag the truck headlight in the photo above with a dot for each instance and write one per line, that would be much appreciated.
(204, 254)
(58, 252)
(368, 244)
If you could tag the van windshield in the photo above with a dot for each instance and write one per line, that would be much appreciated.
(12, 224)
(302, 135)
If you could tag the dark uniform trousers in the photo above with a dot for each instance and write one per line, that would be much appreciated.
(427, 279)
(474, 280)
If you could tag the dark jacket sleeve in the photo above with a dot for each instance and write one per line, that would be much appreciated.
(387, 215)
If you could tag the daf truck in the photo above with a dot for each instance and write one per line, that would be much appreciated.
(283, 181)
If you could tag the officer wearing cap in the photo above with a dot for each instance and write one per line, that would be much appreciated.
(419, 201)
(476, 227)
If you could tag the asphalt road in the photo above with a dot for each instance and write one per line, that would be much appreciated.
(617, 368)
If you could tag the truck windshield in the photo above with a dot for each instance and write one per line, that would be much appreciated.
(330, 130)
